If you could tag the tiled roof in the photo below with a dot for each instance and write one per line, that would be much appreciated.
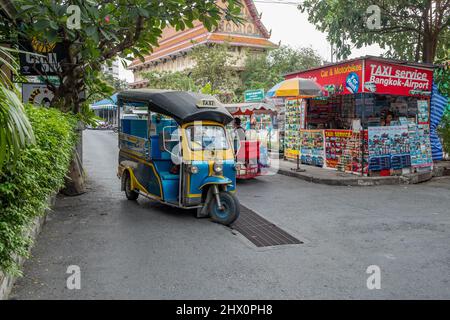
(173, 42)
(241, 40)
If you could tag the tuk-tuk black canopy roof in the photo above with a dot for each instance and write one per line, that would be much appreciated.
(179, 105)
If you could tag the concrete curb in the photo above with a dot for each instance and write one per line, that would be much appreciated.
(7, 281)
(441, 168)
(360, 181)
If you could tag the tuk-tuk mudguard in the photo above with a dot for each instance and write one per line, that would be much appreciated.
(215, 180)
(205, 176)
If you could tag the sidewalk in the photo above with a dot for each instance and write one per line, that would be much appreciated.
(336, 178)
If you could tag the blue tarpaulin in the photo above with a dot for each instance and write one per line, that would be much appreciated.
(438, 106)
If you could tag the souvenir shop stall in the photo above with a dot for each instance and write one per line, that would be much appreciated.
(373, 118)
(106, 109)
(258, 119)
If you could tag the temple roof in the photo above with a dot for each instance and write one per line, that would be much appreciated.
(174, 42)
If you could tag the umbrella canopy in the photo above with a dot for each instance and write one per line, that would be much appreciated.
(296, 87)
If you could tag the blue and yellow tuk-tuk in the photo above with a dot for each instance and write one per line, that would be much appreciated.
(180, 153)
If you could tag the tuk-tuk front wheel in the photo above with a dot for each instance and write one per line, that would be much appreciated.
(229, 211)
(129, 193)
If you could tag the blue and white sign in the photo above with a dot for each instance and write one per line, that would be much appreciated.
(352, 82)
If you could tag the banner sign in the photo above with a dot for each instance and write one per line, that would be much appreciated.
(420, 145)
(422, 112)
(387, 78)
(294, 121)
(312, 150)
(389, 148)
(335, 146)
(37, 94)
(343, 78)
(379, 77)
(46, 60)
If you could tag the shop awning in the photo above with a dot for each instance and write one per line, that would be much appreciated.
(249, 108)
(106, 104)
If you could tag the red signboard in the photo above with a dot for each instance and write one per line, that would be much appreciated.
(379, 77)
(345, 78)
(386, 78)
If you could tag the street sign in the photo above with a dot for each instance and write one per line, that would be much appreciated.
(41, 58)
(37, 94)
(254, 95)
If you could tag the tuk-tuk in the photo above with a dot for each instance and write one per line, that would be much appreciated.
(180, 154)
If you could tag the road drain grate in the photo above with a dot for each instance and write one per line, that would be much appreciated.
(260, 231)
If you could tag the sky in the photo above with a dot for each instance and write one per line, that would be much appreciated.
(290, 26)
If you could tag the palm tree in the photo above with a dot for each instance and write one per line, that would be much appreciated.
(15, 129)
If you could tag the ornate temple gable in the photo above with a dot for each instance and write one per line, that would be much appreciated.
(252, 25)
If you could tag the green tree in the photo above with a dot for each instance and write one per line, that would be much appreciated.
(116, 83)
(416, 30)
(170, 80)
(444, 132)
(215, 69)
(214, 72)
(266, 70)
(15, 129)
(108, 29)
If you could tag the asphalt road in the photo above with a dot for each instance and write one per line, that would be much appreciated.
(144, 250)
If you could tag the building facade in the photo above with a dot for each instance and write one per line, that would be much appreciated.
(172, 54)
(112, 69)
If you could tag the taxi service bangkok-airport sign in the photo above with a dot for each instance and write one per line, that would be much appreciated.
(396, 79)
(378, 77)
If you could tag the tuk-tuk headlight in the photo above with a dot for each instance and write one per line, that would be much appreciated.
(194, 169)
(218, 167)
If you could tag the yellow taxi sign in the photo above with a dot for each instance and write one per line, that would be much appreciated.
(207, 103)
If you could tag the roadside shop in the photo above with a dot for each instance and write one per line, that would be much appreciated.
(373, 118)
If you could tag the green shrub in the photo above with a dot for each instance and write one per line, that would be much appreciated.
(26, 183)
(444, 132)
(442, 80)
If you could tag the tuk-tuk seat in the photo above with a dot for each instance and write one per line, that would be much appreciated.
(163, 167)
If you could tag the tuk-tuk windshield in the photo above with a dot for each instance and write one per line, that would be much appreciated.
(206, 137)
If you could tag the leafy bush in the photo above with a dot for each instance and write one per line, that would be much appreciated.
(15, 129)
(444, 131)
(442, 79)
(26, 184)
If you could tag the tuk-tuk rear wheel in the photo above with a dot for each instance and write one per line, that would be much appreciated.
(129, 193)
(230, 208)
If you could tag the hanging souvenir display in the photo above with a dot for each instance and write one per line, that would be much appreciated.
(295, 121)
